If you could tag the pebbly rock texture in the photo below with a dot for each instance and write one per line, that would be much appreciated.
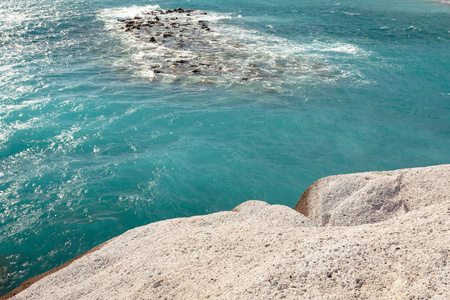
(261, 251)
(371, 197)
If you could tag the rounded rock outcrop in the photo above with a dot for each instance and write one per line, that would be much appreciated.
(262, 251)
(371, 197)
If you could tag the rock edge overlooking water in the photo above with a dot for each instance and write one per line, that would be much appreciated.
(398, 248)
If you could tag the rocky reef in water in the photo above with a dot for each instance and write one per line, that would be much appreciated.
(188, 45)
(374, 235)
(182, 44)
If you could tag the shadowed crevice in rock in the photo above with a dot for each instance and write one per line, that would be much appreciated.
(302, 204)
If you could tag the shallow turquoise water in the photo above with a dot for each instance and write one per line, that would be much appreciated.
(91, 147)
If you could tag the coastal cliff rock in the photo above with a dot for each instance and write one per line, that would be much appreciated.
(262, 251)
(371, 197)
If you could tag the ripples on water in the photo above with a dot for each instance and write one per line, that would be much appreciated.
(90, 146)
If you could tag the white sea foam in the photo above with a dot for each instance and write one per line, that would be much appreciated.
(342, 48)
(351, 14)
(237, 52)
(110, 15)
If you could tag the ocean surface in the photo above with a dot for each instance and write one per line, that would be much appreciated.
(93, 142)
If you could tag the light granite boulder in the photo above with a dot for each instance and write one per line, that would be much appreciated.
(371, 197)
(262, 251)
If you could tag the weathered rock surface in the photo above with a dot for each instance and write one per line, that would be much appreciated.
(371, 197)
(259, 251)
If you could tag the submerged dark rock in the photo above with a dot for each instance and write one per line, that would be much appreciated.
(178, 29)
(184, 44)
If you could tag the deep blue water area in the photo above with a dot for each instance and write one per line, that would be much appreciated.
(93, 143)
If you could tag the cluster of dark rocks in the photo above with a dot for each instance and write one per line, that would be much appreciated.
(181, 44)
(186, 43)
(155, 19)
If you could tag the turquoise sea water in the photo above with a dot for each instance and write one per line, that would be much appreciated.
(91, 145)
